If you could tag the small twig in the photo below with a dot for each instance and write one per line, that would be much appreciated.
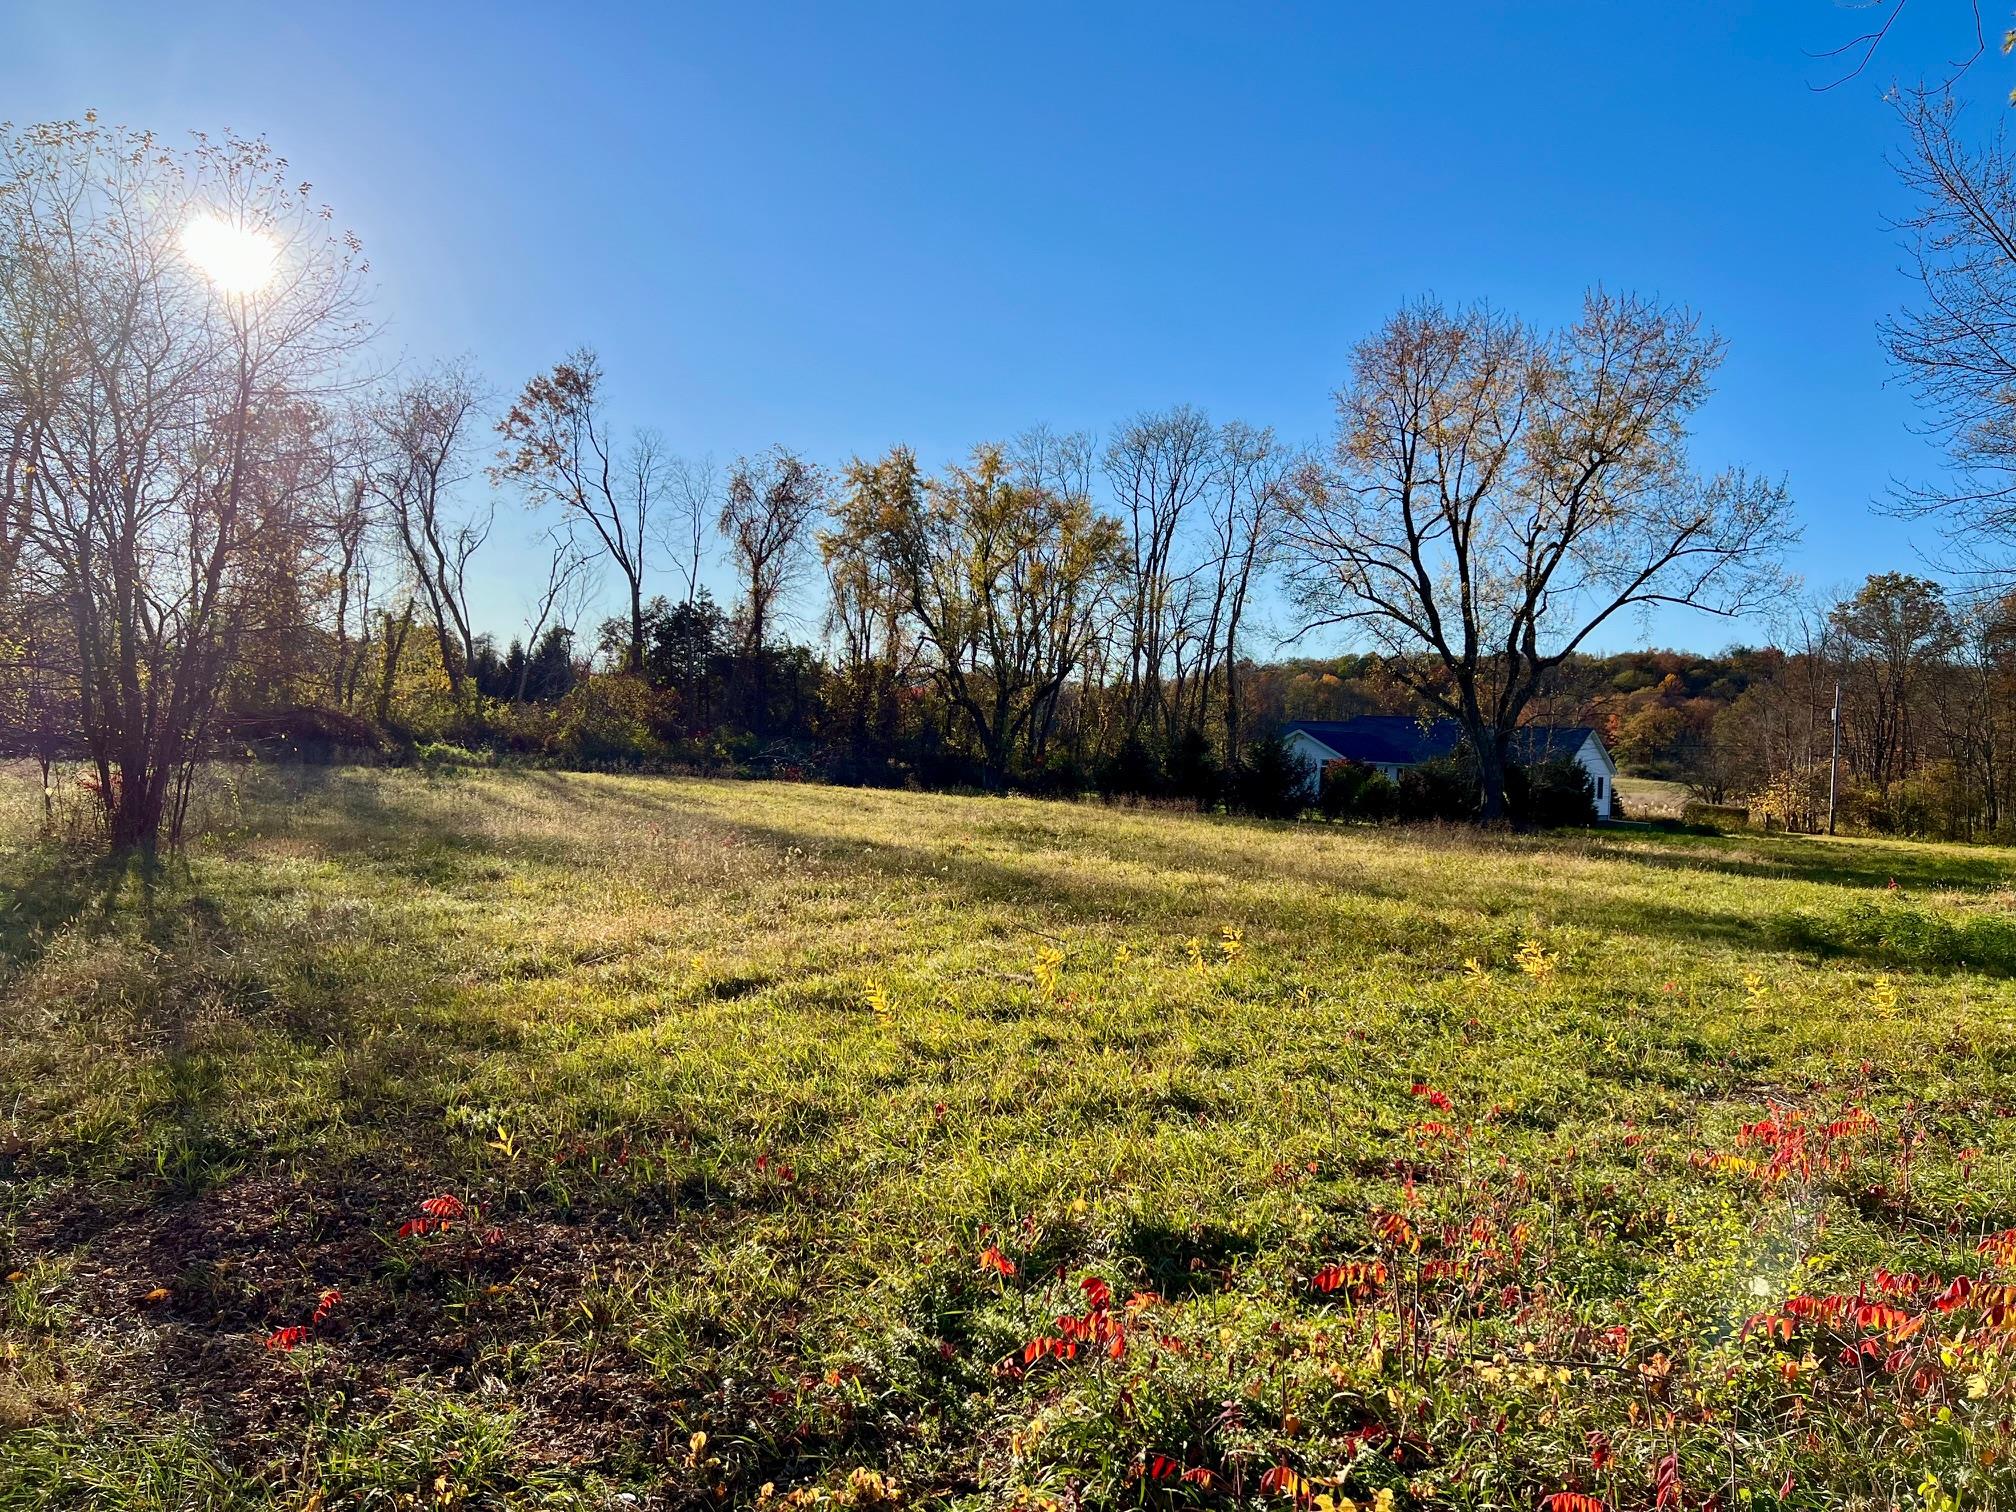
(1870, 41)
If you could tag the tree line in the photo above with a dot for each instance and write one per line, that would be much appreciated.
(1925, 684)
(221, 529)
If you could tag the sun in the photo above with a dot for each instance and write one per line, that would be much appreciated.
(237, 259)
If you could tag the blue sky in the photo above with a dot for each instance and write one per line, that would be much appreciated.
(843, 226)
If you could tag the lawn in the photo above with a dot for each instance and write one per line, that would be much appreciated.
(545, 1139)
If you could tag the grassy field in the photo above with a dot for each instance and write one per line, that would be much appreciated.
(542, 1139)
(1649, 798)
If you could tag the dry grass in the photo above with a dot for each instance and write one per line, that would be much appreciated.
(1649, 798)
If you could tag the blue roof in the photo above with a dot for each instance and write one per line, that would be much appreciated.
(1401, 740)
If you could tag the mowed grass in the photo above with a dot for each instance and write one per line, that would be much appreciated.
(807, 1145)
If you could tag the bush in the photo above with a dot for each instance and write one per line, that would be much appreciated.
(1716, 816)
(1354, 790)
(612, 719)
(1928, 802)
(525, 729)
(1132, 771)
(1193, 770)
(1338, 786)
(1269, 783)
(442, 754)
(1056, 776)
(1552, 794)
(1445, 788)
(862, 768)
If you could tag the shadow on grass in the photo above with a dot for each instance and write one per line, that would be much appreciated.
(89, 889)
(1190, 892)
(209, 999)
(1891, 937)
(1183, 1262)
(1849, 864)
(130, 898)
(368, 821)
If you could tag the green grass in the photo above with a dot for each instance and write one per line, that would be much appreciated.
(744, 1085)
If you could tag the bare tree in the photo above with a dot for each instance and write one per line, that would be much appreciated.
(1957, 347)
(1159, 466)
(1974, 716)
(1897, 634)
(426, 428)
(1497, 495)
(394, 629)
(873, 654)
(1066, 465)
(558, 446)
(1254, 472)
(1854, 55)
(569, 582)
(766, 520)
(32, 370)
(350, 533)
(166, 317)
(693, 493)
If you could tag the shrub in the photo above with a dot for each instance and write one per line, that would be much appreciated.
(1717, 816)
(1379, 798)
(1056, 776)
(524, 729)
(612, 719)
(1354, 790)
(862, 768)
(1193, 770)
(443, 754)
(1132, 771)
(1337, 788)
(1269, 783)
(1445, 788)
(1553, 794)
(1928, 802)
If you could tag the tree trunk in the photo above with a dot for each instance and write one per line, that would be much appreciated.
(136, 815)
(636, 627)
(1489, 747)
(395, 646)
(1231, 703)
(759, 674)
(451, 662)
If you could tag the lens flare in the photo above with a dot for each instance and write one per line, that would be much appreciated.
(237, 259)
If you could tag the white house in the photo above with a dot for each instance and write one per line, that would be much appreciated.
(1394, 742)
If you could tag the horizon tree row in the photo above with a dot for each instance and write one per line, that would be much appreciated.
(216, 522)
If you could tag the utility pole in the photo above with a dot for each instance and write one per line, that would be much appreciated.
(1834, 761)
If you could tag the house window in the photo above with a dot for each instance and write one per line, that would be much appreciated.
(1600, 783)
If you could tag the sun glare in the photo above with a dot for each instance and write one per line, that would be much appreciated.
(237, 259)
